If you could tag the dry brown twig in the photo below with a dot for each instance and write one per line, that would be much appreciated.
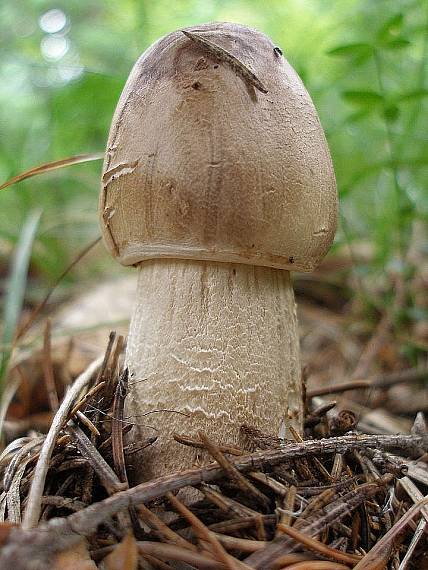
(85, 522)
(117, 427)
(368, 562)
(233, 473)
(318, 547)
(226, 504)
(312, 521)
(337, 510)
(107, 476)
(162, 529)
(205, 535)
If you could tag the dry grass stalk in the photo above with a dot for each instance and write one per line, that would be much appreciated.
(32, 512)
(48, 368)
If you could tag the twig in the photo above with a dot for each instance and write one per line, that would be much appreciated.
(32, 512)
(377, 551)
(154, 562)
(345, 504)
(288, 559)
(277, 487)
(63, 502)
(185, 440)
(72, 464)
(260, 528)
(410, 375)
(87, 422)
(242, 544)
(106, 358)
(107, 476)
(314, 506)
(86, 521)
(414, 494)
(86, 397)
(317, 565)
(288, 507)
(419, 533)
(337, 510)
(316, 462)
(117, 428)
(204, 534)
(171, 552)
(162, 530)
(260, 439)
(88, 477)
(318, 547)
(226, 504)
(116, 355)
(62, 489)
(338, 388)
(241, 523)
(314, 417)
(337, 486)
(336, 470)
(379, 381)
(234, 474)
(117, 432)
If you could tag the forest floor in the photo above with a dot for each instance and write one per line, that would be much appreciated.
(349, 494)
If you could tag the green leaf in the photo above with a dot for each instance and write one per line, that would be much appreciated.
(396, 43)
(358, 115)
(350, 49)
(16, 286)
(390, 34)
(392, 112)
(413, 95)
(362, 97)
(392, 27)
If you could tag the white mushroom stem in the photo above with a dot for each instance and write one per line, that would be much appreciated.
(217, 342)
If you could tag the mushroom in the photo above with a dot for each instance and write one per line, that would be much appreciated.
(217, 182)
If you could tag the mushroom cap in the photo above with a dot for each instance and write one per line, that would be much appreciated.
(203, 163)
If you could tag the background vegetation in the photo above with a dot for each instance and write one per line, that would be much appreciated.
(364, 62)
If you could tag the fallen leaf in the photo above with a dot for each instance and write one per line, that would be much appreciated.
(124, 556)
(77, 558)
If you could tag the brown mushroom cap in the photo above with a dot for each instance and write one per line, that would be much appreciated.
(201, 164)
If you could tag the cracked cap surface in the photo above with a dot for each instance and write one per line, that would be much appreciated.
(216, 153)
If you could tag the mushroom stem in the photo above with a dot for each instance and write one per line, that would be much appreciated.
(217, 342)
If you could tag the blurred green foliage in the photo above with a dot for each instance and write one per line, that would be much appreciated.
(364, 63)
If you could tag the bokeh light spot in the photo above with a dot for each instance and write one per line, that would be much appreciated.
(53, 21)
(54, 48)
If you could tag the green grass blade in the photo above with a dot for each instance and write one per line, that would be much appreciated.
(16, 287)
